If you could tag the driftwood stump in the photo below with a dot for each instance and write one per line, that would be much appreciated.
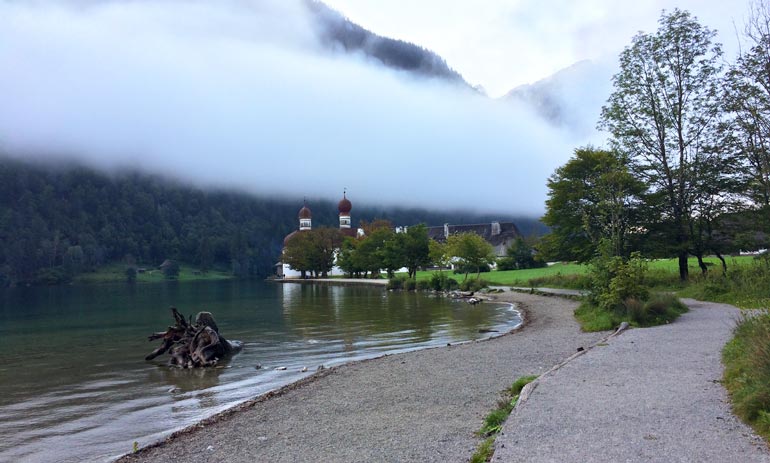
(192, 345)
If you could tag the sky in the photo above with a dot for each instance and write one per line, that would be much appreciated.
(501, 44)
(239, 94)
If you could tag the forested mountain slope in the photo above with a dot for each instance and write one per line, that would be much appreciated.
(71, 219)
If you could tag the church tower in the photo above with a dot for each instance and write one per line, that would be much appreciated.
(305, 218)
(344, 207)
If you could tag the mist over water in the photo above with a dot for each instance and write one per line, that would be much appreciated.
(241, 94)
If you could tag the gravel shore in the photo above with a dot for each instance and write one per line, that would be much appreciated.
(420, 406)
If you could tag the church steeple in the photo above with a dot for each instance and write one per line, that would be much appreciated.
(344, 207)
(305, 218)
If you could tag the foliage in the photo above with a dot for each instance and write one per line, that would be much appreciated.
(659, 310)
(471, 251)
(397, 282)
(746, 286)
(592, 197)
(474, 285)
(441, 282)
(520, 255)
(463, 269)
(170, 269)
(519, 384)
(131, 274)
(493, 422)
(414, 246)
(312, 250)
(437, 253)
(614, 280)
(662, 116)
(46, 210)
(484, 452)
(747, 371)
(747, 102)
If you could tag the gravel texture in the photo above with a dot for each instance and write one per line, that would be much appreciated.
(422, 406)
(650, 394)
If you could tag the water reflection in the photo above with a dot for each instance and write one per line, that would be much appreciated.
(85, 392)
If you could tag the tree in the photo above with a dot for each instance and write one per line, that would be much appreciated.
(369, 255)
(437, 253)
(747, 102)
(471, 250)
(664, 104)
(592, 197)
(415, 248)
(519, 256)
(312, 251)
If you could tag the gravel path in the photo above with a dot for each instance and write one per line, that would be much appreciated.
(421, 406)
(649, 395)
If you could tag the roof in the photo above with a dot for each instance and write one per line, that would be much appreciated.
(507, 230)
(305, 213)
(344, 206)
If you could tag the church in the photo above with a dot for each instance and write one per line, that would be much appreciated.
(305, 217)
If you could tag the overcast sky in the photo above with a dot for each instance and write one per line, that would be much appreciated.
(504, 43)
(239, 94)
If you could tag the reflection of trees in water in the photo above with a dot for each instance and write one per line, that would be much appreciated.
(348, 313)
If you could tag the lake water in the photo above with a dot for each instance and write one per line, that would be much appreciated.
(74, 385)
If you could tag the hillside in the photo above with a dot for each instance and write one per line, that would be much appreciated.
(340, 34)
(58, 221)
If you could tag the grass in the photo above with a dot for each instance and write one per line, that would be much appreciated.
(658, 310)
(747, 371)
(117, 273)
(515, 277)
(494, 421)
(663, 275)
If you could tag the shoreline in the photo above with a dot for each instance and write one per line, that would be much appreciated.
(318, 375)
(433, 374)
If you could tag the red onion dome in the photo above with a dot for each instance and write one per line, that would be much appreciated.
(305, 213)
(344, 206)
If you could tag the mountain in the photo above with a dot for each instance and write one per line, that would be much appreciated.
(340, 34)
(60, 220)
(570, 98)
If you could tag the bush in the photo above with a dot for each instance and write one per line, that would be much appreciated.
(396, 283)
(424, 285)
(658, 310)
(463, 269)
(51, 276)
(614, 281)
(473, 284)
(441, 282)
(410, 285)
(747, 371)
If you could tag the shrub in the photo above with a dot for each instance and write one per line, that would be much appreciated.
(424, 285)
(473, 284)
(462, 269)
(614, 280)
(397, 282)
(441, 282)
(747, 371)
(410, 285)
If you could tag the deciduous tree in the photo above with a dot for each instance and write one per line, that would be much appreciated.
(664, 104)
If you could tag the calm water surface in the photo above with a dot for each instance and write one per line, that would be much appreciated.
(74, 385)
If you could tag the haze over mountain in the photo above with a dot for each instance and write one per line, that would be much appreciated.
(268, 97)
(571, 98)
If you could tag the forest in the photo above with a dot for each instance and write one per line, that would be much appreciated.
(57, 221)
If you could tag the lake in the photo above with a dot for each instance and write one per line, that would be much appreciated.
(74, 385)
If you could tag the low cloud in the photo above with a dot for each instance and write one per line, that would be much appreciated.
(239, 94)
